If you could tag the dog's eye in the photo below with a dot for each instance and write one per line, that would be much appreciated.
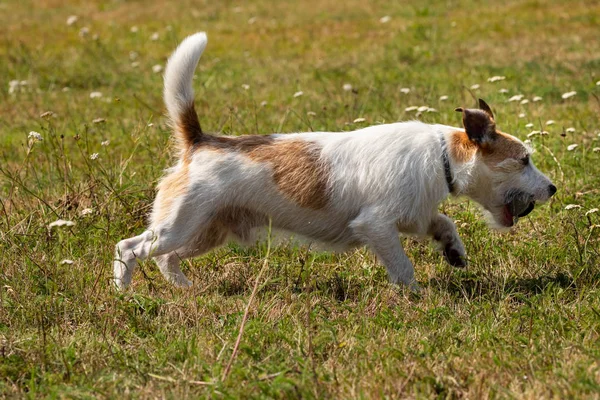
(525, 160)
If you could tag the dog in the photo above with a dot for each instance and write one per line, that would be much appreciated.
(346, 189)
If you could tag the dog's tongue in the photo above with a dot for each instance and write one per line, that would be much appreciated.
(508, 216)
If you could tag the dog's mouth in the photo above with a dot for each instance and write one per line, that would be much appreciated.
(517, 206)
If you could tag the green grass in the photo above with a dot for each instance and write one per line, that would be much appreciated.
(522, 321)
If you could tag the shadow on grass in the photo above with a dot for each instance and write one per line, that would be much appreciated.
(474, 286)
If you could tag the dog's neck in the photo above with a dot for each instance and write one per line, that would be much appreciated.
(447, 167)
(458, 159)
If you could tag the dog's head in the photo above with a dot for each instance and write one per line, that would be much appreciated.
(505, 181)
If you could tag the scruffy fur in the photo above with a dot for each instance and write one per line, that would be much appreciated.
(343, 188)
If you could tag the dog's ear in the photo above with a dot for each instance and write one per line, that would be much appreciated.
(479, 124)
(484, 106)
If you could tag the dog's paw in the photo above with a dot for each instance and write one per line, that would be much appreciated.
(414, 287)
(122, 274)
(455, 256)
(182, 282)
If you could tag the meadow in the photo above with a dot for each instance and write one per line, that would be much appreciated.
(83, 139)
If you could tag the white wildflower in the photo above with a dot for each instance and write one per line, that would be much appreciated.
(544, 133)
(536, 98)
(571, 130)
(422, 109)
(245, 86)
(150, 124)
(311, 113)
(251, 20)
(475, 86)
(133, 55)
(72, 19)
(83, 32)
(298, 93)
(529, 125)
(66, 89)
(98, 120)
(572, 206)
(87, 211)
(443, 98)
(503, 90)
(430, 109)
(157, 68)
(47, 114)
(569, 94)
(67, 262)
(524, 101)
(550, 122)
(105, 143)
(516, 97)
(135, 64)
(347, 87)
(60, 223)
(13, 86)
(95, 95)
(598, 83)
(522, 115)
(405, 90)
(357, 120)
(134, 29)
(385, 19)
(35, 136)
(94, 156)
(263, 103)
(411, 108)
(591, 211)
(496, 78)
(596, 149)
(533, 133)
(154, 36)
(572, 147)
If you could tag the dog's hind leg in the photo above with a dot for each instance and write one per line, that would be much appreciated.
(382, 238)
(443, 231)
(169, 267)
(162, 238)
(210, 238)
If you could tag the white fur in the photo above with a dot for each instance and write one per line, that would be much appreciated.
(179, 73)
(382, 179)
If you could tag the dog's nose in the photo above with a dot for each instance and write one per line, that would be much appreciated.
(552, 189)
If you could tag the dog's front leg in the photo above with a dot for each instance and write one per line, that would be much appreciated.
(443, 230)
(382, 238)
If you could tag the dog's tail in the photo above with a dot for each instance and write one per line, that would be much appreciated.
(179, 93)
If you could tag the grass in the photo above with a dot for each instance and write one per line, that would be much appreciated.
(522, 321)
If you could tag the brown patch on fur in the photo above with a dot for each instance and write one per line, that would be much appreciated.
(242, 144)
(187, 129)
(297, 171)
(169, 188)
(460, 147)
(501, 148)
